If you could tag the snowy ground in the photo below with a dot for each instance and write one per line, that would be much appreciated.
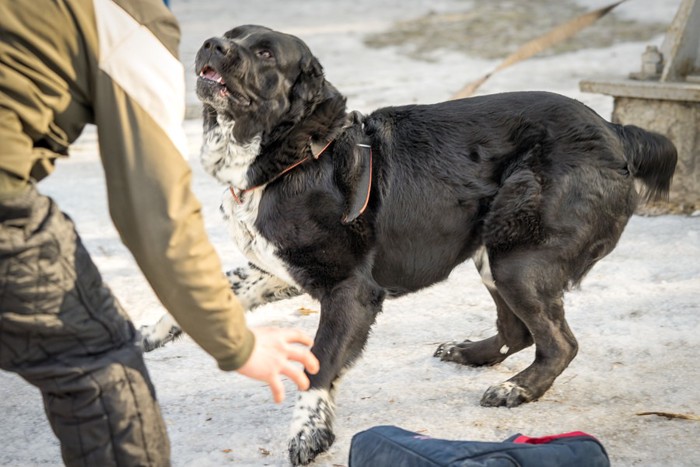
(637, 316)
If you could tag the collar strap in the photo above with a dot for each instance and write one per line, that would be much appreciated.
(316, 151)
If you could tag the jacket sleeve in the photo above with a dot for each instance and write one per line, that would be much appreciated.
(139, 106)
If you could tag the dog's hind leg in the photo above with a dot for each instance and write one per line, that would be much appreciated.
(512, 337)
(348, 311)
(532, 283)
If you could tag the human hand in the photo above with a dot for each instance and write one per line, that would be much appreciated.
(272, 356)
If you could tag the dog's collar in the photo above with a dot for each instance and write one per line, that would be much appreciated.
(316, 151)
(362, 188)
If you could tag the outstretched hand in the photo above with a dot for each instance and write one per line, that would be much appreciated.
(274, 354)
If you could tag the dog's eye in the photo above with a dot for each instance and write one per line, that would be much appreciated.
(264, 53)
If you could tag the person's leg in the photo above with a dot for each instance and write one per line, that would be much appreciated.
(63, 331)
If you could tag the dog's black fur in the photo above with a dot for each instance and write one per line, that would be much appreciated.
(536, 187)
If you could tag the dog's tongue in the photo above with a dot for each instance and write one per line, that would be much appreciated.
(212, 75)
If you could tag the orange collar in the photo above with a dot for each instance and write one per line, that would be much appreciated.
(238, 197)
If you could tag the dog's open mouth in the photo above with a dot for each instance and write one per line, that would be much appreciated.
(211, 76)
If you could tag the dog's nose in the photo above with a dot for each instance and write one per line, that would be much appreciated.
(216, 45)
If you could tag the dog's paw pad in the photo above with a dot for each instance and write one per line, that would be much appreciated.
(506, 394)
(308, 444)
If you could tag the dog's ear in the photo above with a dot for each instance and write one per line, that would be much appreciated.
(309, 84)
(307, 90)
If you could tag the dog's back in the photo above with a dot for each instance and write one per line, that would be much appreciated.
(474, 144)
(504, 171)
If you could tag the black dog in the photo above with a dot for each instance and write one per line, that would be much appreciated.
(535, 187)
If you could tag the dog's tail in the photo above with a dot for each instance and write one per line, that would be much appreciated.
(651, 158)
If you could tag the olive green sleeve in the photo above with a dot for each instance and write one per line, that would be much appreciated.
(139, 97)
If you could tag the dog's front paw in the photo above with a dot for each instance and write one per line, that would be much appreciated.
(309, 443)
(236, 278)
(148, 343)
(158, 334)
(312, 426)
(507, 394)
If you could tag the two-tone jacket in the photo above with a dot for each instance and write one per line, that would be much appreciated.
(113, 63)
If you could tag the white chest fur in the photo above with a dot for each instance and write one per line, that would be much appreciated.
(228, 161)
(240, 219)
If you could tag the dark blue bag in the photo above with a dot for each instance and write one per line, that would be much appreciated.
(389, 446)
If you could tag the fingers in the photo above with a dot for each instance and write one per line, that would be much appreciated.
(275, 355)
(295, 336)
(305, 357)
(277, 389)
(301, 354)
(297, 375)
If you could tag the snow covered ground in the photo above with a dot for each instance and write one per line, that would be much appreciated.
(637, 315)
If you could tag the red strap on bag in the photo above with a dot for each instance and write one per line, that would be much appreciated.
(548, 439)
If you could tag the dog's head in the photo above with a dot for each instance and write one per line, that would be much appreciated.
(258, 78)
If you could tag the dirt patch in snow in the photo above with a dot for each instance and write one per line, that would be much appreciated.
(494, 29)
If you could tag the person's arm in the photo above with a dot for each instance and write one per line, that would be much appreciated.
(139, 106)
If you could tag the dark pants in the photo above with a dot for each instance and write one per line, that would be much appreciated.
(63, 331)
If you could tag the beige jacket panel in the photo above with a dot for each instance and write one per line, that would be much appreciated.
(111, 63)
